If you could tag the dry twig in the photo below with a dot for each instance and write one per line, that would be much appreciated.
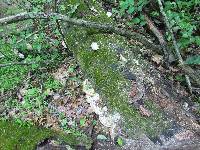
(160, 37)
(60, 29)
(174, 43)
(16, 63)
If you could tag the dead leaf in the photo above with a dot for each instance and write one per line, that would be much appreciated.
(144, 111)
(157, 58)
(184, 135)
(134, 90)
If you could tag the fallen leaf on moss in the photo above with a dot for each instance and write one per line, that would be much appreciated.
(184, 135)
(144, 111)
(157, 59)
(101, 137)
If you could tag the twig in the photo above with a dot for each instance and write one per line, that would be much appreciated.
(60, 29)
(28, 36)
(16, 63)
(24, 63)
(160, 37)
(174, 43)
(31, 34)
(80, 22)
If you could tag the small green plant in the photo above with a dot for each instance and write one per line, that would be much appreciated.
(133, 8)
(193, 60)
(52, 84)
(183, 20)
(120, 141)
(183, 17)
(82, 122)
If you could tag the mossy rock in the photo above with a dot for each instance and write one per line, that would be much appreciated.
(13, 136)
(103, 68)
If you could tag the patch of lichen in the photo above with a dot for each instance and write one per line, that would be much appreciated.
(15, 136)
(109, 81)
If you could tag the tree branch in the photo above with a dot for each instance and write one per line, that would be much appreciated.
(80, 22)
(160, 38)
(89, 24)
(174, 43)
(60, 29)
(16, 63)
(25, 63)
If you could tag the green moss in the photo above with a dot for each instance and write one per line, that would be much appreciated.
(110, 82)
(16, 137)
(90, 10)
(13, 136)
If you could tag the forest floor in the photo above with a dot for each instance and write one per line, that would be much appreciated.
(51, 94)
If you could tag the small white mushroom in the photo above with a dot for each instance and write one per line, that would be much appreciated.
(94, 46)
(109, 14)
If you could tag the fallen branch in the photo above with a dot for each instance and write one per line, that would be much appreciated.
(16, 63)
(89, 24)
(64, 43)
(80, 22)
(174, 43)
(24, 63)
(160, 38)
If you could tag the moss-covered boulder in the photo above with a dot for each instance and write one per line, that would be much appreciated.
(116, 68)
(107, 69)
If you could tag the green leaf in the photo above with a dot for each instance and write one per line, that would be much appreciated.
(101, 137)
(124, 5)
(142, 23)
(131, 10)
(180, 78)
(136, 20)
(119, 141)
(193, 60)
(63, 122)
(155, 13)
(71, 69)
(82, 122)
(197, 40)
(62, 7)
(94, 122)
(131, 1)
